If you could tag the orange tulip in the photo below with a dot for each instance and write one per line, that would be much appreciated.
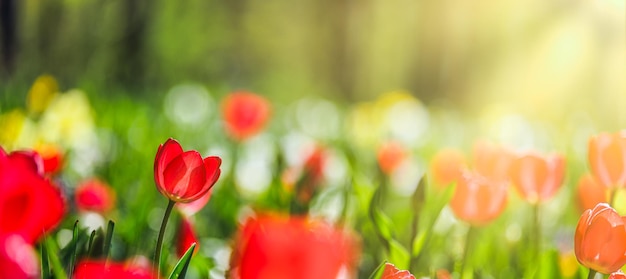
(607, 158)
(245, 114)
(184, 176)
(590, 192)
(492, 161)
(617, 275)
(537, 178)
(390, 156)
(447, 166)
(478, 200)
(600, 239)
(392, 272)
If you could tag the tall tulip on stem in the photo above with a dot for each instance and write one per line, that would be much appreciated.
(607, 159)
(182, 177)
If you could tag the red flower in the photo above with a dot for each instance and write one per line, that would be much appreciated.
(29, 204)
(95, 195)
(18, 259)
(590, 192)
(477, 199)
(607, 158)
(52, 157)
(283, 247)
(447, 166)
(600, 239)
(245, 114)
(537, 178)
(391, 272)
(101, 269)
(617, 275)
(186, 237)
(390, 156)
(184, 176)
(191, 208)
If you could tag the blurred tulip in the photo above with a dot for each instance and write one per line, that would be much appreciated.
(617, 275)
(245, 114)
(600, 239)
(568, 265)
(29, 204)
(184, 176)
(103, 269)
(590, 192)
(191, 208)
(443, 274)
(607, 158)
(492, 161)
(537, 178)
(477, 199)
(18, 259)
(95, 195)
(186, 237)
(27, 159)
(283, 247)
(13, 124)
(390, 156)
(447, 166)
(391, 272)
(52, 157)
(44, 89)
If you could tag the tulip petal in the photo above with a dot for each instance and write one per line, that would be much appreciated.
(165, 154)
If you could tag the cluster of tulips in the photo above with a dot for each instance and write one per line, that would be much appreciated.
(284, 240)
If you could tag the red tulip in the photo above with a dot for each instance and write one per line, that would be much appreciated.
(95, 195)
(390, 156)
(477, 199)
(391, 272)
(26, 159)
(590, 192)
(101, 269)
(283, 247)
(18, 259)
(191, 208)
(600, 239)
(537, 178)
(245, 114)
(184, 176)
(186, 237)
(29, 204)
(607, 158)
(617, 275)
(447, 166)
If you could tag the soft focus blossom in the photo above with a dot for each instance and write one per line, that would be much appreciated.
(186, 237)
(245, 114)
(30, 205)
(184, 176)
(536, 177)
(607, 158)
(492, 161)
(284, 247)
(590, 192)
(568, 265)
(102, 269)
(447, 166)
(18, 259)
(391, 272)
(68, 120)
(390, 156)
(478, 200)
(52, 156)
(191, 208)
(305, 182)
(600, 239)
(41, 93)
(94, 195)
(617, 275)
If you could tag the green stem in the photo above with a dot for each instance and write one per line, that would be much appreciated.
(537, 237)
(157, 253)
(592, 274)
(468, 241)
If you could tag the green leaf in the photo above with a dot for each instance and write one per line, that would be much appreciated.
(53, 252)
(398, 255)
(109, 237)
(91, 242)
(45, 265)
(376, 272)
(180, 269)
(74, 247)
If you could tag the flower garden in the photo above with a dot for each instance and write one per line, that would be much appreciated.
(201, 185)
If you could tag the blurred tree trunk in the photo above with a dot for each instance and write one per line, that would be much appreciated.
(130, 67)
(8, 23)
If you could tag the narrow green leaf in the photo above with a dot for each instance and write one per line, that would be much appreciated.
(109, 237)
(53, 253)
(398, 255)
(74, 246)
(378, 219)
(90, 243)
(375, 273)
(180, 269)
(45, 265)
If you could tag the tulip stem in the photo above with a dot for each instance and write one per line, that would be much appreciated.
(592, 274)
(157, 253)
(537, 236)
(468, 241)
